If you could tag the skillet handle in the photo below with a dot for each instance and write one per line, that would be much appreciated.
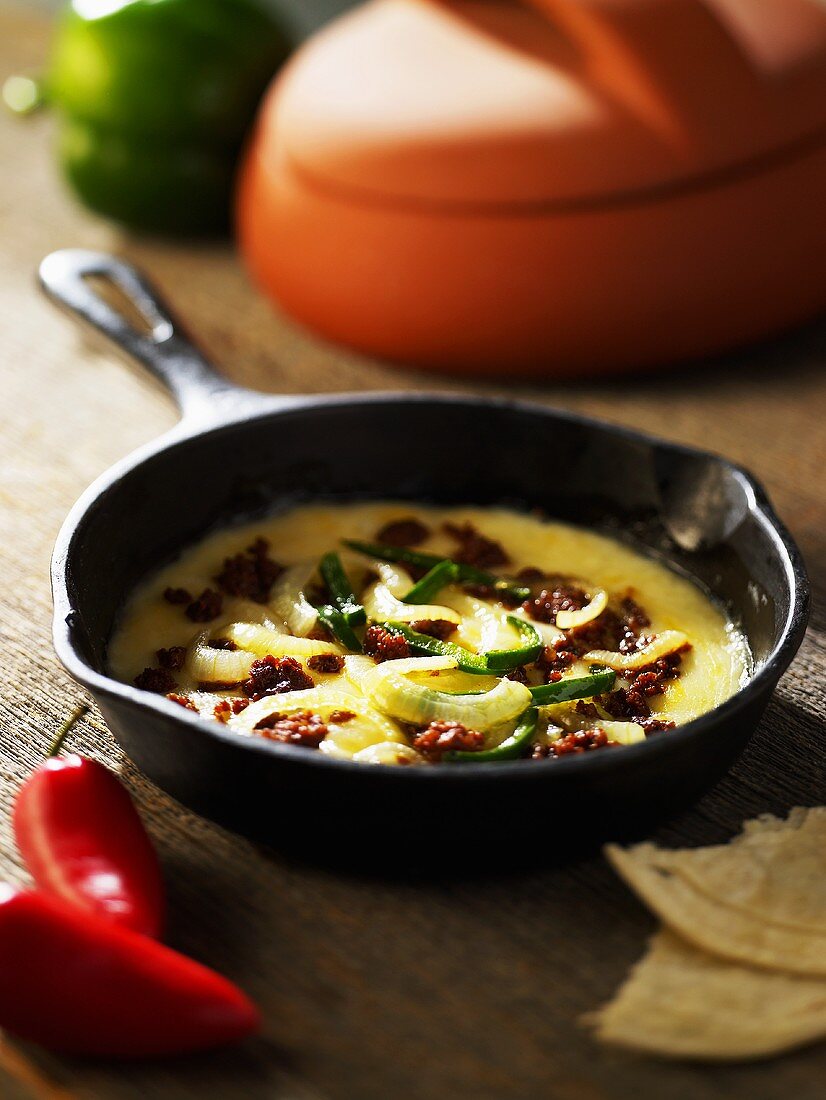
(155, 339)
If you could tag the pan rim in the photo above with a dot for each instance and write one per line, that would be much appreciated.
(764, 678)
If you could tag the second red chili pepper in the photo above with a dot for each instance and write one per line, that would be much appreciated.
(80, 984)
(82, 840)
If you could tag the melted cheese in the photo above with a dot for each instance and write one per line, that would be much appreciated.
(716, 666)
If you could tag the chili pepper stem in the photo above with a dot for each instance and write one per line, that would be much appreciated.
(66, 727)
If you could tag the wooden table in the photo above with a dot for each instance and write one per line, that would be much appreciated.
(371, 990)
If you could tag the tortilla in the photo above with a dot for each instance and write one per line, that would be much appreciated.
(710, 923)
(775, 869)
(680, 1002)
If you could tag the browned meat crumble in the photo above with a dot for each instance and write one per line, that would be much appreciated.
(275, 675)
(177, 595)
(158, 680)
(381, 645)
(250, 574)
(435, 628)
(182, 701)
(444, 736)
(326, 662)
(205, 607)
(305, 729)
(576, 742)
(172, 658)
(474, 548)
(403, 532)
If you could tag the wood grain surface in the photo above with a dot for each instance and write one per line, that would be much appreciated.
(371, 989)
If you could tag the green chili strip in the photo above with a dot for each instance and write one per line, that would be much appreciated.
(431, 583)
(575, 687)
(503, 660)
(336, 621)
(435, 647)
(341, 590)
(510, 749)
(494, 663)
(421, 560)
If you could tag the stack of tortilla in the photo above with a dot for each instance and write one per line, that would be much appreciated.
(739, 970)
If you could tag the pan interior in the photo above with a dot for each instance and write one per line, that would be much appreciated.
(693, 509)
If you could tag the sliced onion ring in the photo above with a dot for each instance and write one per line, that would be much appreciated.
(567, 620)
(388, 688)
(323, 701)
(217, 666)
(380, 603)
(261, 640)
(670, 641)
(290, 604)
(624, 733)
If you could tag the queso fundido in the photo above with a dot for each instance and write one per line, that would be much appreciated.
(391, 634)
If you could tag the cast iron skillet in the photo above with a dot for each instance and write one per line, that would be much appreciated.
(238, 454)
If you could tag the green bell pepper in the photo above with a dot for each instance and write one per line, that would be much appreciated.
(336, 622)
(573, 687)
(510, 749)
(459, 571)
(493, 663)
(155, 98)
(432, 583)
(340, 589)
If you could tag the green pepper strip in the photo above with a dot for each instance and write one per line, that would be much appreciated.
(336, 621)
(576, 687)
(510, 748)
(427, 561)
(493, 663)
(503, 660)
(337, 581)
(431, 583)
(435, 647)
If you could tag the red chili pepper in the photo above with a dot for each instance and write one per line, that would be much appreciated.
(81, 985)
(82, 840)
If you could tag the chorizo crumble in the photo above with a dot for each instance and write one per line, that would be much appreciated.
(274, 676)
(177, 595)
(403, 532)
(227, 707)
(182, 701)
(172, 658)
(631, 703)
(434, 628)
(206, 607)
(158, 680)
(577, 742)
(549, 601)
(444, 736)
(250, 574)
(305, 729)
(474, 548)
(381, 645)
(325, 662)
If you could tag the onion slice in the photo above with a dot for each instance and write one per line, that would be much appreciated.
(289, 602)
(390, 690)
(382, 601)
(624, 733)
(323, 701)
(567, 620)
(217, 666)
(660, 646)
(263, 641)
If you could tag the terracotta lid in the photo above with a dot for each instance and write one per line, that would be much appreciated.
(479, 102)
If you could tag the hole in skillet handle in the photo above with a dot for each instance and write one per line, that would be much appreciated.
(151, 326)
(114, 300)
